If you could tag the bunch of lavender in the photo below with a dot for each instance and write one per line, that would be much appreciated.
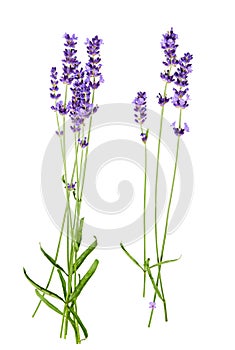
(78, 105)
(176, 72)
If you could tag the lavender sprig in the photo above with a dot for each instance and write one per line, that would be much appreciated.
(70, 62)
(93, 67)
(169, 46)
(140, 107)
(140, 115)
(78, 104)
(180, 100)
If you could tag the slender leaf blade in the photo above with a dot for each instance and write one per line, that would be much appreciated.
(165, 262)
(84, 255)
(52, 261)
(50, 305)
(83, 281)
(37, 286)
(80, 228)
(63, 283)
(131, 257)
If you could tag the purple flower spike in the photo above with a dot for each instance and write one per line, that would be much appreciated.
(140, 107)
(162, 100)
(94, 77)
(152, 305)
(169, 46)
(84, 81)
(83, 143)
(71, 186)
(54, 82)
(70, 62)
(181, 97)
(184, 68)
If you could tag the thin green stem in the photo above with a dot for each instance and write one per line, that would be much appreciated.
(166, 224)
(157, 174)
(144, 213)
(76, 222)
(145, 183)
(172, 189)
(156, 195)
(87, 148)
(56, 257)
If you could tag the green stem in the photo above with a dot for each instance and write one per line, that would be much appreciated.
(157, 174)
(172, 189)
(57, 249)
(56, 257)
(76, 223)
(144, 214)
(166, 224)
(87, 148)
(156, 195)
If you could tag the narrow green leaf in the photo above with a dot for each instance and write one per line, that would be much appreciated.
(152, 280)
(79, 322)
(83, 281)
(84, 255)
(37, 286)
(131, 257)
(63, 283)
(50, 305)
(80, 228)
(165, 262)
(52, 261)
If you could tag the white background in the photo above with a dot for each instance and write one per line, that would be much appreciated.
(199, 288)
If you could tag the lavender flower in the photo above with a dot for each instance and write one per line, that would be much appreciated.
(180, 131)
(71, 186)
(140, 107)
(81, 107)
(184, 68)
(162, 100)
(144, 137)
(184, 62)
(70, 62)
(94, 77)
(59, 133)
(167, 77)
(181, 97)
(186, 127)
(168, 43)
(54, 82)
(85, 80)
(152, 305)
(83, 143)
(61, 108)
